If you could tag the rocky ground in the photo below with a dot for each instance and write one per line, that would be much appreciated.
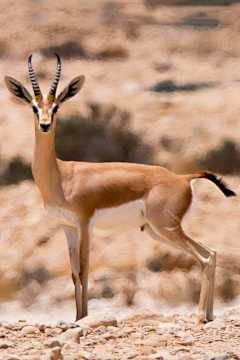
(142, 335)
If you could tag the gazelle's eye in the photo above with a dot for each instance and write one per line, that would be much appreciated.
(55, 109)
(35, 110)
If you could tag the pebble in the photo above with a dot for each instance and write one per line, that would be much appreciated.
(102, 329)
(147, 350)
(181, 349)
(55, 354)
(53, 331)
(85, 355)
(108, 336)
(122, 342)
(29, 330)
(186, 342)
(52, 343)
(128, 330)
(72, 335)
(5, 345)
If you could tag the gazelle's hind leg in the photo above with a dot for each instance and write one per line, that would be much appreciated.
(73, 240)
(206, 256)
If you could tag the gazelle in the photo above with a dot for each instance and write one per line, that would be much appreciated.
(110, 195)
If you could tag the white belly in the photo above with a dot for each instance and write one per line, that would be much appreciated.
(124, 217)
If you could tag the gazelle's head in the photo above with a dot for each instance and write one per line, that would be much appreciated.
(45, 107)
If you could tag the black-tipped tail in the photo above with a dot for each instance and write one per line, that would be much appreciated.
(217, 181)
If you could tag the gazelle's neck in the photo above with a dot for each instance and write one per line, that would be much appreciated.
(44, 166)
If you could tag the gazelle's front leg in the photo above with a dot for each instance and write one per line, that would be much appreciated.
(73, 240)
(85, 232)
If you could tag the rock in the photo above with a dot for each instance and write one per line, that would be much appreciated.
(216, 324)
(52, 343)
(185, 357)
(113, 329)
(29, 330)
(181, 349)
(184, 335)
(155, 341)
(41, 327)
(147, 350)
(137, 335)
(132, 354)
(98, 319)
(85, 355)
(141, 316)
(101, 329)
(108, 336)
(128, 330)
(55, 354)
(72, 335)
(12, 357)
(186, 342)
(13, 326)
(65, 326)
(5, 345)
(53, 331)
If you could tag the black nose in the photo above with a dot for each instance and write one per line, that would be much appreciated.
(45, 127)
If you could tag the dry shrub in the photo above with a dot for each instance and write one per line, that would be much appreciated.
(178, 287)
(155, 3)
(170, 86)
(228, 289)
(223, 160)
(129, 288)
(116, 52)
(103, 136)
(17, 170)
(167, 261)
(67, 50)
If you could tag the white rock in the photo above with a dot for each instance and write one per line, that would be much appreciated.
(98, 319)
(216, 324)
(29, 330)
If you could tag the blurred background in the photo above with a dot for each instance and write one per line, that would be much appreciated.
(162, 87)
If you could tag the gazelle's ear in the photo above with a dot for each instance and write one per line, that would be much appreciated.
(72, 89)
(17, 89)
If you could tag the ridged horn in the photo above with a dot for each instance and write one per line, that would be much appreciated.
(33, 78)
(56, 78)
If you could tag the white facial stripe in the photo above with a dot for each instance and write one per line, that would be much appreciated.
(35, 103)
(51, 109)
(36, 106)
